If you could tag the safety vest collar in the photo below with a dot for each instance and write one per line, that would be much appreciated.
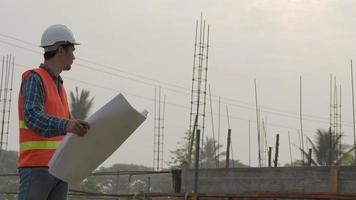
(22, 124)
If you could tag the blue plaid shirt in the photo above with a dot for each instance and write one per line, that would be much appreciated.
(33, 106)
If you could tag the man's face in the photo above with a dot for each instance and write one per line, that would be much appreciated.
(67, 57)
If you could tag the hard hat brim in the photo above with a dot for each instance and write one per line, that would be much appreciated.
(55, 46)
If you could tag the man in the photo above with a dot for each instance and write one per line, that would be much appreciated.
(44, 117)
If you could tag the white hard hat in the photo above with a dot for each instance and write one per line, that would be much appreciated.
(56, 35)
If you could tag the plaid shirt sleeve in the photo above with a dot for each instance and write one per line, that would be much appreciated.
(33, 105)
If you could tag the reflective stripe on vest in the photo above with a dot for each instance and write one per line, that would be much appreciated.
(22, 124)
(39, 145)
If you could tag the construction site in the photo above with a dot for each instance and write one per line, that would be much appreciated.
(255, 104)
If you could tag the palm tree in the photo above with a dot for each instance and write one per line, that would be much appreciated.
(212, 157)
(208, 155)
(80, 103)
(326, 149)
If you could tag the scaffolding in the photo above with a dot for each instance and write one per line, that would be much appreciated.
(335, 119)
(6, 83)
(158, 140)
(199, 83)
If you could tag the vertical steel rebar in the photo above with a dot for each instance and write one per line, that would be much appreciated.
(310, 157)
(213, 130)
(199, 71)
(232, 153)
(290, 150)
(154, 130)
(200, 74)
(301, 115)
(162, 139)
(190, 147)
(219, 114)
(269, 156)
(12, 66)
(249, 143)
(331, 120)
(300, 146)
(265, 136)
(193, 78)
(7, 72)
(258, 127)
(197, 152)
(330, 100)
(353, 109)
(335, 125)
(334, 133)
(228, 148)
(200, 100)
(1, 89)
(276, 151)
(260, 142)
(205, 81)
(263, 154)
(2, 77)
(192, 126)
(230, 144)
(159, 129)
(340, 133)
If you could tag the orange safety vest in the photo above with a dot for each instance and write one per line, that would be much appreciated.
(37, 150)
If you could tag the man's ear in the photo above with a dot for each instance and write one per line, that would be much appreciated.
(60, 50)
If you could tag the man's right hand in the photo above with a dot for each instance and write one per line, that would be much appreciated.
(77, 127)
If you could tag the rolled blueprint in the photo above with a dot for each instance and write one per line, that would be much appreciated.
(110, 126)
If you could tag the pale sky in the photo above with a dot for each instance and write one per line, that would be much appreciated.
(274, 41)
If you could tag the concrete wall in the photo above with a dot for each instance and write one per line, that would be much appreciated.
(241, 180)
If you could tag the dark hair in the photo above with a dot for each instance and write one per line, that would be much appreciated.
(50, 54)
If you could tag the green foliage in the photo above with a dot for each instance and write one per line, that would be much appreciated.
(347, 157)
(209, 155)
(327, 151)
(179, 158)
(80, 103)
